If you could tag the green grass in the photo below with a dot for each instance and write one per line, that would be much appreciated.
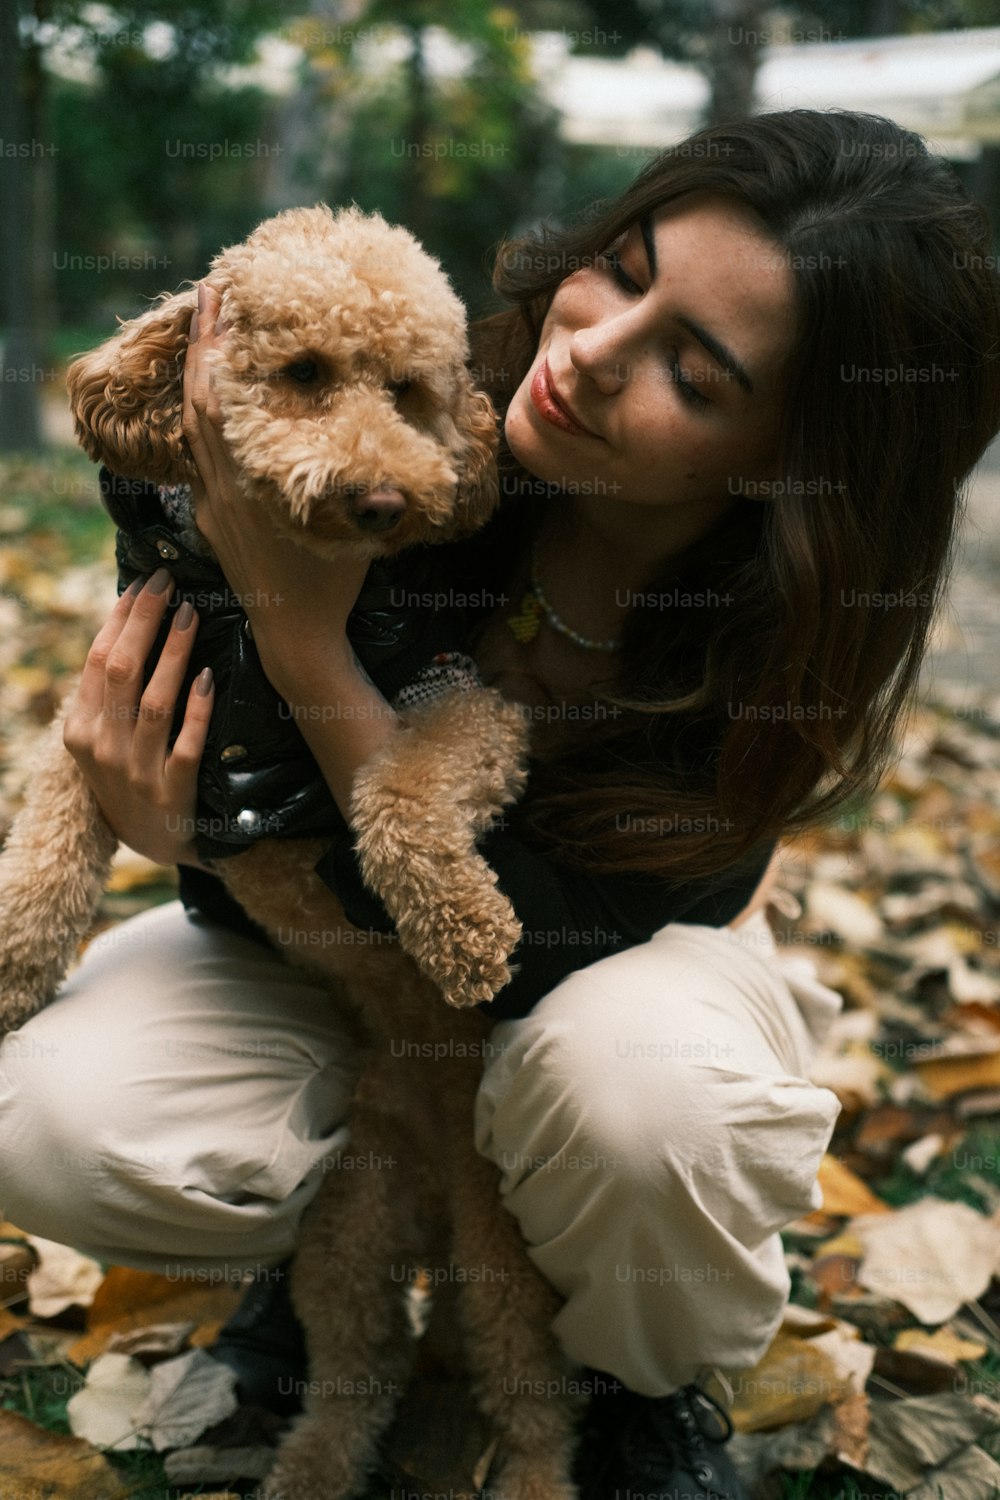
(60, 508)
(946, 1178)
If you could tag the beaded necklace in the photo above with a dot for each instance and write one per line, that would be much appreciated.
(524, 625)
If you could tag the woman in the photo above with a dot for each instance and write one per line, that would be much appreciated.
(738, 403)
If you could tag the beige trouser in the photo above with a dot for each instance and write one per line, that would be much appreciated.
(652, 1119)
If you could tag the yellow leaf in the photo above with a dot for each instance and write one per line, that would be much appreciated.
(943, 1077)
(941, 1344)
(843, 1191)
(790, 1384)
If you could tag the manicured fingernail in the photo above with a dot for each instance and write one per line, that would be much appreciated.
(160, 582)
(135, 587)
(204, 682)
(193, 329)
(201, 296)
(184, 616)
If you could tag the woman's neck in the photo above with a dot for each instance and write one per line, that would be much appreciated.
(595, 554)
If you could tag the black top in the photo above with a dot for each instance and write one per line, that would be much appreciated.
(570, 918)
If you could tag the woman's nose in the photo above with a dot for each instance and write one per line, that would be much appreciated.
(598, 353)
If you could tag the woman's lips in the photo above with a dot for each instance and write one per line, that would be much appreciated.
(550, 406)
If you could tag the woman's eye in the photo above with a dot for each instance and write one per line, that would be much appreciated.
(305, 371)
(688, 392)
(624, 280)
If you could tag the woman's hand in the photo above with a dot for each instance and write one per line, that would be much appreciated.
(297, 603)
(117, 733)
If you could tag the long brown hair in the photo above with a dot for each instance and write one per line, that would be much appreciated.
(742, 721)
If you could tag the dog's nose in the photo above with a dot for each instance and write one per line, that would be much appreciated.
(378, 510)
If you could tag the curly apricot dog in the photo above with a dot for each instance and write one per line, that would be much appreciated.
(351, 416)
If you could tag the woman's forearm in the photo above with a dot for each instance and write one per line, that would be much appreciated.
(338, 710)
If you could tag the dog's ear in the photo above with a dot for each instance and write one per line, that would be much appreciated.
(477, 484)
(126, 396)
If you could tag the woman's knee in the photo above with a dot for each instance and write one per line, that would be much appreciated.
(649, 1067)
(54, 1105)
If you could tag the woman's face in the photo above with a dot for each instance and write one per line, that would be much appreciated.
(658, 375)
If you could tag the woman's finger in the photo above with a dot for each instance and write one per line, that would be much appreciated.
(126, 658)
(159, 700)
(201, 412)
(89, 699)
(189, 746)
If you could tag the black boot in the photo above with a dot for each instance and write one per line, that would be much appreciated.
(670, 1447)
(264, 1344)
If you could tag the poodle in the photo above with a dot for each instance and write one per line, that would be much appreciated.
(351, 415)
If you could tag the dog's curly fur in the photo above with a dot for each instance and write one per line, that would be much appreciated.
(344, 375)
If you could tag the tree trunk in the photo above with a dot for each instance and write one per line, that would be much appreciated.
(20, 376)
(736, 36)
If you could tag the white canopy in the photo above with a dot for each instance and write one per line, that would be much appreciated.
(945, 85)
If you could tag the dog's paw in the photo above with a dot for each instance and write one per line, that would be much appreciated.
(466, 955)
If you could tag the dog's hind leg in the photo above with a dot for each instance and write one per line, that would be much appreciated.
(53, 869)
(519, 1374)
(348, 1285)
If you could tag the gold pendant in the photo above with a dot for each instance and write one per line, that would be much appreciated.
(525, 625)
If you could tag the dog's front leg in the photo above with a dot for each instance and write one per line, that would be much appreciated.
(417, 808)
(53, 869)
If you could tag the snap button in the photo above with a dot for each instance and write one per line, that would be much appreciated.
(167, 551)
(248, 821)
(233, 752)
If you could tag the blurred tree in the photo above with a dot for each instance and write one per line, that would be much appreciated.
(441, 124)
(156, 150)
(20, 424)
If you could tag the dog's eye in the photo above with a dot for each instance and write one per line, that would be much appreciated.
(399, 388)
(303, 370)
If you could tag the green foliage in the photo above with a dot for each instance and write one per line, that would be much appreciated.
(458, 155)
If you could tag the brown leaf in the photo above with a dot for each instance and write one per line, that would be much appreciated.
(130, 1300)
(913, 1372)
(850, 1430)
(39, 1465)
(943, 1077)
(835, 1275)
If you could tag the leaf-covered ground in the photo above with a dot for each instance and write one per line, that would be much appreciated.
(885, 1378)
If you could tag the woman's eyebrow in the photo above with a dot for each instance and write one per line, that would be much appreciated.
(723, 356)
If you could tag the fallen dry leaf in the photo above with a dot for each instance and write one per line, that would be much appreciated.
(844, 1193)
(791, 1383)
(102, 1412)
(186, 1396)
(914, 1441)
(943, 1077)
(931, 1256)
(941, 1344)
(208, 1465)
(40, 1465)
(129, 1301)
(62, 1279)
(158, 1341)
